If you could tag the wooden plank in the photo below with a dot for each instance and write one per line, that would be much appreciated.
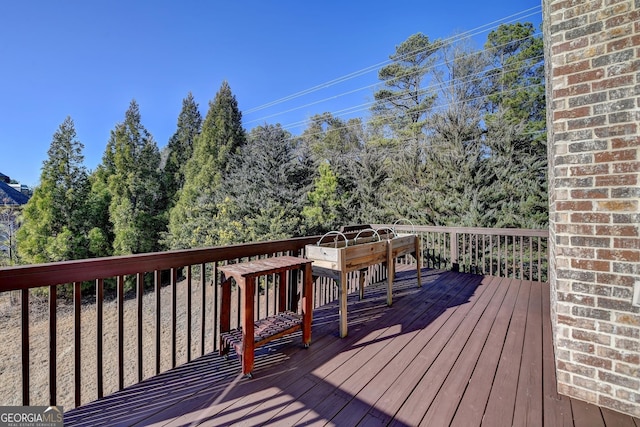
(241, 395)
(458, 329)
(340, 351)
(474, 400)
(445, 403)
(501, 403)
(377, 353)
(586, 415)
(557, 408)
(370, 372)
(616, 419)
(408, 368)
(528, 404)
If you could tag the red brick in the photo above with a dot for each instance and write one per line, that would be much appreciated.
(623, 19)
(571, 45)
(578, 322)
(617, 230)
(629, 345)
(586, 170)
(585, 76)
(610, 353)
(619, 255)
(628, 319)
(586, 122)
(599, 193)
(614, 82)
(583, 229)
(614, 279)
(571, 68)
(618, 380)
(572, 114)
(571, 91)
(617, 130)
(591, 218)
(572, 298)
(630, 141)
(620, 44)
(626, 243)
(625, 167)
(585, 371)
(615, 156)
(569, 251)
(574, 206)
(596, 362)
(590, 264)
(615, 180)
(617, 205)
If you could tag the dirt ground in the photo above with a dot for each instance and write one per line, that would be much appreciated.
(11, 356)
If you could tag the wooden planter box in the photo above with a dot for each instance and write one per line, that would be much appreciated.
(338, 258)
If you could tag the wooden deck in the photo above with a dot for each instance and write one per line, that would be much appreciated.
(463, 350)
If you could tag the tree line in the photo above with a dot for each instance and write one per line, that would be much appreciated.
(455, 136)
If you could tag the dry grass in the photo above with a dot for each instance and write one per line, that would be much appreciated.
(10, 351)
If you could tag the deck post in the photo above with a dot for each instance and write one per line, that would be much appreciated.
(455, 266)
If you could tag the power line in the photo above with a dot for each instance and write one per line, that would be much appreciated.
(514, 17)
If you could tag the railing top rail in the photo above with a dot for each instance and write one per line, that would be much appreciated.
(55, 273)
(472, 230)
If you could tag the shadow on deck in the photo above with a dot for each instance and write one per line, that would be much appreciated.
(462, 350)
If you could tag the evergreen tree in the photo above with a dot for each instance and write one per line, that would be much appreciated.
(265, 187)
(454, 178)
(322, 211)
(517, 81)
(132, 179)
(403, 104)
(337, 143)
(55, 224)
(192, 218)
(9, 225)
(180, 146)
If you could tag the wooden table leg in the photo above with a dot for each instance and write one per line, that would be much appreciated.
(225, 312)
(343, 304)
(391, 272)
(418, 262)
(307, 305)
(282, 292)
(361, 277)
(248, 345)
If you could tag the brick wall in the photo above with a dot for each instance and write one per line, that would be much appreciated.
(593, 86)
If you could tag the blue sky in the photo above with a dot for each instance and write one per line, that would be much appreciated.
(89, 59)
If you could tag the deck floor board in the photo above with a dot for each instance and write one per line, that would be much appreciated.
(462, 350)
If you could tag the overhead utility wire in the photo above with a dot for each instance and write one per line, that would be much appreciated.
(378, 83)
(421, 91)
(436, 108)
(375, 66)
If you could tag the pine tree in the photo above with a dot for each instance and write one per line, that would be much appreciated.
(265, 188)
(132, 179)
(55, 223)
(517, 81)
(192, 218)
(403, 104)
(180, 146)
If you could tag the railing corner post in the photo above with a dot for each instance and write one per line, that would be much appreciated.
(455, 266)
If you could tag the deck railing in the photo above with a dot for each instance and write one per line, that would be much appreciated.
(504, 252)
(151, 312)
